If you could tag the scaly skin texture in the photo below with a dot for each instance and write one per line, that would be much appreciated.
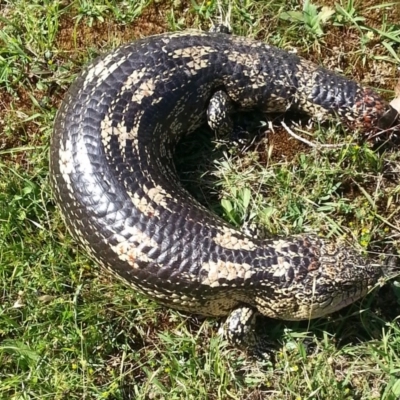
(115, 183)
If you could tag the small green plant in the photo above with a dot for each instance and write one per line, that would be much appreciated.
(236, 210)
(91, 11)
(312, 17)
(206, 8)
(348, 13)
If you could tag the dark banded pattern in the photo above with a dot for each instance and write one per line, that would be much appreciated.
(113, 178)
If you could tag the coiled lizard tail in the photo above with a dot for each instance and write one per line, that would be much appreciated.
(113, 177)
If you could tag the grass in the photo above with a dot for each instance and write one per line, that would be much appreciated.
(70, 331)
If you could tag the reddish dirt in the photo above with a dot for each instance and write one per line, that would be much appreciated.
(73, 38)
(281, 146)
